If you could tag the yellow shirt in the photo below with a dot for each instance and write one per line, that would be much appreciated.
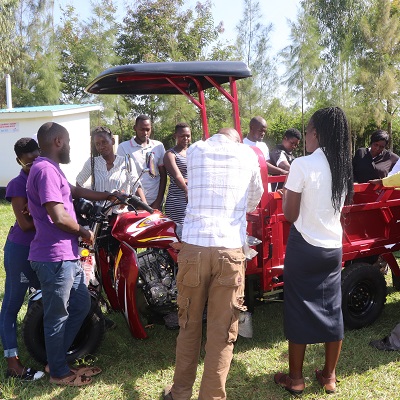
(390, 181)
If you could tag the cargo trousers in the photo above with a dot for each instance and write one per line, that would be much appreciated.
(211, 276)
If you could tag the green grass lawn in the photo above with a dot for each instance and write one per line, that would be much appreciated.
(134, 369)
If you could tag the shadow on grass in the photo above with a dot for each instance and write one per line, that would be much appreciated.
(139, 369)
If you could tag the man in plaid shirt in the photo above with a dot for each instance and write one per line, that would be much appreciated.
(224, 183)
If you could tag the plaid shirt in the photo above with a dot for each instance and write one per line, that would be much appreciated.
(224, 182)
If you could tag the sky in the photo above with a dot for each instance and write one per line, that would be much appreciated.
(230, 12)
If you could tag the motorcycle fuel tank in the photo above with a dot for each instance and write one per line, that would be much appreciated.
(143, 229)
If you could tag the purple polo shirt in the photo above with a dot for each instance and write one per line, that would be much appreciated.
(47, 183)
(17, 188)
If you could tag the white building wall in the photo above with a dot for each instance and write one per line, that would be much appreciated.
(15, 125)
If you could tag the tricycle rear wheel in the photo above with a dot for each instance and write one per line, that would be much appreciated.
(363, 294)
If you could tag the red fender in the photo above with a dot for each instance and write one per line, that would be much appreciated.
(126, 276)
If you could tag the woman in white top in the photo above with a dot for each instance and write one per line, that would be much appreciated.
(108, 171)
(313, 197)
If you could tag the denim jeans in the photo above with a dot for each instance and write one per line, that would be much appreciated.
(66, 303)
(212, 275)
(19, 277)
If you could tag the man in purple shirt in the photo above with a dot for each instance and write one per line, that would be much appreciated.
(54, 252)
(19, 274)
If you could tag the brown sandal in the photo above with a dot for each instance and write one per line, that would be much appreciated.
(72, 380)
(293, 386)
(329, 384)
(86, 370)
(81, 370)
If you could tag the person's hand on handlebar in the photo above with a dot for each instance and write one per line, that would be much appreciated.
(117, 195)
(87, 236)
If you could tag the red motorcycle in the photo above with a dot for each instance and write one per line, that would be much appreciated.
(135, 267)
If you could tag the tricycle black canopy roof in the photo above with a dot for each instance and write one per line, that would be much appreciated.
(184, 78)
(152, 78)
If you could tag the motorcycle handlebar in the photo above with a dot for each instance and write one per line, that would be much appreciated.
(137, 203)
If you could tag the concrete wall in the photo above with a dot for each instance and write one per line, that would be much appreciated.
(15, 125)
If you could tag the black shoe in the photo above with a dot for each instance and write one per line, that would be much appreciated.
(171, 320)
(30, 374)
(109, 324)
(383, 344)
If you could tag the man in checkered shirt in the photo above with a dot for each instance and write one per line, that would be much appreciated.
(224, 183)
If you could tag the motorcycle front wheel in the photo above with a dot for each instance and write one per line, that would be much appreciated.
(86, 342)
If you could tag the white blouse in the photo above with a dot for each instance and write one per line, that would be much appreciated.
(317, 222)
(117, 178)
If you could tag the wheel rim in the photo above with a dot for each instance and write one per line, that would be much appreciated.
(361, 298)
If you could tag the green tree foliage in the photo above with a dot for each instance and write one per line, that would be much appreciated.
(8, 44)
(74, 51)
(162, 30)
(253, 48)
(7, 27)
(86, 48)
(302, 61)
(34, 65)
(379, 62)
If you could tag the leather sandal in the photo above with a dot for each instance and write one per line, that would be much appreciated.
(82, 369)
(86, 370)
(293, 386)
(329, 384)
(72, 380)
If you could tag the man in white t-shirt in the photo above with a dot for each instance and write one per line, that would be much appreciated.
(257, 130)
(138, 148)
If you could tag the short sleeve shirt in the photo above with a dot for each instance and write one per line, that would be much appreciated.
(17, 188)
(264, 148)
(366, 168)
(261, 145)
(117, 178)
(279, 154)
(138, 153)
(47, 183)
(317, 222)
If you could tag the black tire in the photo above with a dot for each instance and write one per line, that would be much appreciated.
(86, 342)
(363, 295)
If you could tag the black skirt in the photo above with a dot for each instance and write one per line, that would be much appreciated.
(312, 292)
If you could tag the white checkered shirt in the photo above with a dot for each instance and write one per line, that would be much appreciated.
(224, 182)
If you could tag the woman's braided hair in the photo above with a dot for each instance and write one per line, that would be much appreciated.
(334, 139)
(93, 152)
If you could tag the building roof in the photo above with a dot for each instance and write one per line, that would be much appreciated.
(51, 110)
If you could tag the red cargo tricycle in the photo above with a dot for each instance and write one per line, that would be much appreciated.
(141, 284)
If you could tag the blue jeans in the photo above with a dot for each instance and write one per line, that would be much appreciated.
(19, 277)
(66, 303)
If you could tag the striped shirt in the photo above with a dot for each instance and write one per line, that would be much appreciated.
(224, 182)
(117, 178)
(175, 204)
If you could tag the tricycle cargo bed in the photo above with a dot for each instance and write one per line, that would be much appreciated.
(371, 233)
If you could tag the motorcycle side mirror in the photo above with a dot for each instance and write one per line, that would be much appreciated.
(150, 164)
(128, 163)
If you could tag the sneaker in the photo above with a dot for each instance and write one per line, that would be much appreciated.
(30, 374)
(245, 325)
(383, 344)
(172, 321)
